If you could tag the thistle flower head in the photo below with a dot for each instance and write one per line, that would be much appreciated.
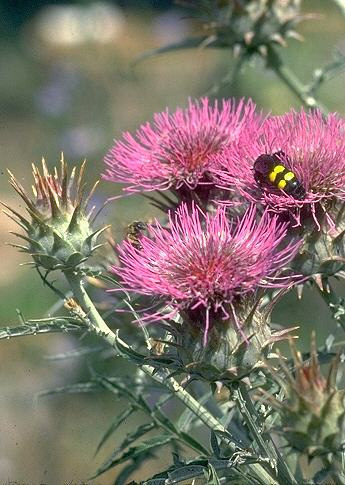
(59, 234)
(175, 151)
(306, 153)
(314, 411)
(203, 263)
(308, 145)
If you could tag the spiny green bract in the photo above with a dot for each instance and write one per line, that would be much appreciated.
(313, 413)
(59, 234)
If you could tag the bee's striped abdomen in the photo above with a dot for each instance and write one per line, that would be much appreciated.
(269, 171)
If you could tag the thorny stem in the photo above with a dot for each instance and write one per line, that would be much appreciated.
(334, 303)
(289, 78)
(102, 329)
(249, 413)
(76, 283)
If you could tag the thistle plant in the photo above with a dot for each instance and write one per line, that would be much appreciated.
(252, 206)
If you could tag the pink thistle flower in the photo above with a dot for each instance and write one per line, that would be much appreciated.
(203, 263)
(309, 145)
(175, 151)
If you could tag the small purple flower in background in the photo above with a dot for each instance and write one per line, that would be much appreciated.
(175, 151)
(203, 263)
(55, 97)
(308, 145)
(78, 141)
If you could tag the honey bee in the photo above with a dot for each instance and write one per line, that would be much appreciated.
(270, 172)
(134, 232)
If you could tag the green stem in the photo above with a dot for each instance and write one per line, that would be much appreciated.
(335, 303)
(102, 329)
(263, 439)
(289, 78)
(77, 286)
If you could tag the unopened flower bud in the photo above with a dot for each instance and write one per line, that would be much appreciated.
(313, 413)
(59, 234)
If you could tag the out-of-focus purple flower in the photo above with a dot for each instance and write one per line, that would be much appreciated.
(203, 263)
(54, 98)
(171, 26)
(82, 140)
(310, 146)
(176, 150)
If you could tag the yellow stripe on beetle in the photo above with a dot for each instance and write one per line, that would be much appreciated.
(270, 174)
(289, 176)
(277, 169)
(282, 184)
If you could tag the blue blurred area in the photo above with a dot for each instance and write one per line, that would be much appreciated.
(13, 15)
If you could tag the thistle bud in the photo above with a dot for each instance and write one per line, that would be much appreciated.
(236, 346)
(250, 25)
(59, 234)
(313, 414)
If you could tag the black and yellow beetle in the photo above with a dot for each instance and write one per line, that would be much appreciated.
(270, 172)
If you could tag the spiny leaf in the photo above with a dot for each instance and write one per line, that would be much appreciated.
(75, 259)
(184, 44)
(143, 449)
(117, 387)
(163, 361)
(133, 436)
(185, 437)
(331, 70)
(154, 481)
(185, 473)
(190, 43)
(214, 444)
(80, 387)
(35, 328)
(115, 424)
(20, 247)
(201, 467)
(127, 471)
(212, 476)
(132, 354)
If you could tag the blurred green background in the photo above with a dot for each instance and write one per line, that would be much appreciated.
(66, 84)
